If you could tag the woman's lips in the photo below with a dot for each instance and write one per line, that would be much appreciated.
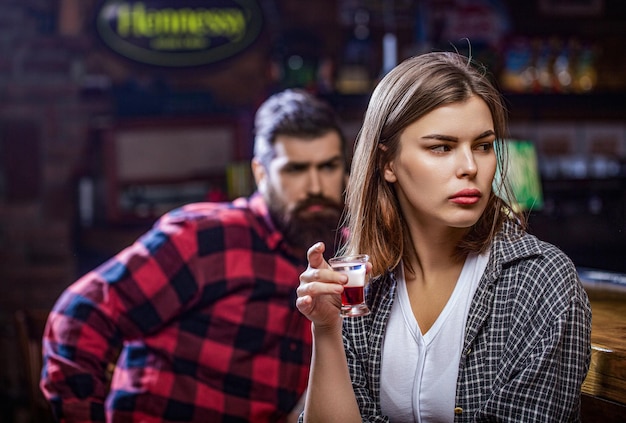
(466, 197)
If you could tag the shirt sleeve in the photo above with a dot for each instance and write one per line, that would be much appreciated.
(370, 412)
(362, 338)
(131, 295)
(543, 370)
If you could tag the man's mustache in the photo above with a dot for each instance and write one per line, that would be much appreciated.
(320, 201)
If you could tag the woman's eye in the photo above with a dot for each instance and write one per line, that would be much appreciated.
(440, 148)
(485, 146)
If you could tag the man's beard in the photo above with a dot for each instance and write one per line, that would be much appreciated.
(301, 229)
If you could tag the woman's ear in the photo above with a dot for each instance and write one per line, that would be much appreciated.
(389, 174)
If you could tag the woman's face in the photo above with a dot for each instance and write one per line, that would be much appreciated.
(445, 166)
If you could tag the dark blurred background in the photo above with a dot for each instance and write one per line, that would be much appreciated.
(112, 112)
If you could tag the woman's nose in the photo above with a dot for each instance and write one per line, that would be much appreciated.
(467, 164)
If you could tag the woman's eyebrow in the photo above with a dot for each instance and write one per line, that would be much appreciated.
(486, 134)
(440, 137)
(451, 138)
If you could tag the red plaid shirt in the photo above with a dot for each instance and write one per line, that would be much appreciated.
(202, 308)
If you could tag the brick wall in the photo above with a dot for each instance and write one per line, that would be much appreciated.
(56, 84)
(43, 122)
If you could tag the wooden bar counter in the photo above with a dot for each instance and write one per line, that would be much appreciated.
(604, 389)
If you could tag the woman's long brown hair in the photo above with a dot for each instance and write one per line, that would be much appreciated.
(411, 90)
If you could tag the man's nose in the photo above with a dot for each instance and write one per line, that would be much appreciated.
(315, 182)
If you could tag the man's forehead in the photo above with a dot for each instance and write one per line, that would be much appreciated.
(307, 150)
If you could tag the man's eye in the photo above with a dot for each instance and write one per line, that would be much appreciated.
(294, 169)
(330, 166)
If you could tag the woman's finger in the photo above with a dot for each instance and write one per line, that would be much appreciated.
(315, 255)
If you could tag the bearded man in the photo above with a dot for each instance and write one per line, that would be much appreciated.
(199, 314)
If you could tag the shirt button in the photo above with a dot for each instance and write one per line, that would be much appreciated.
(458, 410)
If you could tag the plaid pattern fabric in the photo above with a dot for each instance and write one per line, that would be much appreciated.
(527, 340)
(202, 308)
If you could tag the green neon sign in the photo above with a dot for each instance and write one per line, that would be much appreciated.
(178, 33)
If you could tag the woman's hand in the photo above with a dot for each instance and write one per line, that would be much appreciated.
(319, 293)
(330, 396)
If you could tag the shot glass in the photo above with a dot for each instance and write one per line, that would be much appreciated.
(353, 297)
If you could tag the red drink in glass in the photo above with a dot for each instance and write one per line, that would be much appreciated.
(352, 295)
(353, 298)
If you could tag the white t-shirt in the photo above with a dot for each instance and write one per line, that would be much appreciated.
(419, 371)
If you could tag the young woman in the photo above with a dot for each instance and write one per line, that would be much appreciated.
(472, 318)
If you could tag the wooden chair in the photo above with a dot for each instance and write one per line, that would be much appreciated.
(30, 326)
(604, 389)
(594, 409)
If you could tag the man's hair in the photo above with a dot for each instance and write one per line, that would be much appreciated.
(295, 113)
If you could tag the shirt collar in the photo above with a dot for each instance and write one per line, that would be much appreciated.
(274, 238)
(515, 243)
(511, 244)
